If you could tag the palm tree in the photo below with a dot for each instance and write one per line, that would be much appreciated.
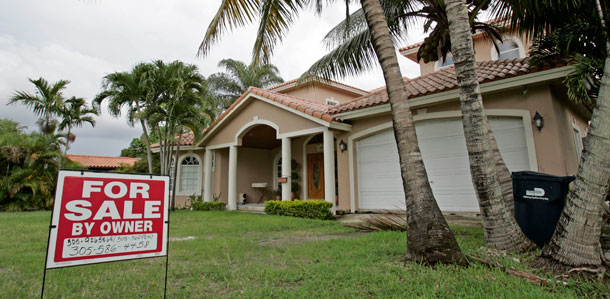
(500, 227)
(46, 103)
(131, 90)
(576, 238)
(181, 102)
(429, 239)
(352, 55)
(75, 113)
(227, 86)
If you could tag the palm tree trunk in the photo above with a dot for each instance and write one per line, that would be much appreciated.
(146, 139)
(167, 152)
(500, 227)
(576, 238)
(170, 147)
(504, 175)
(161, 151)
(176, 168)
(148, 152)
(67, 141)
(429, 239)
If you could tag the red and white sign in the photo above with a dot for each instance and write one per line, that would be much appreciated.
(103, 217)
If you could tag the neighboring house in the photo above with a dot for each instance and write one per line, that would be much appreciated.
(341, 136)
(102, 163)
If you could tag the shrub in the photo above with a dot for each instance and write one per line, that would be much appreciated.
(315, 209)
(208, 206)
(197, 204)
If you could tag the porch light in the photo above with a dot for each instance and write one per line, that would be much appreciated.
(538, 121)
(342, 146)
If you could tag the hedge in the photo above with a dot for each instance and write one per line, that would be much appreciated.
(208, 206)
(315, 209)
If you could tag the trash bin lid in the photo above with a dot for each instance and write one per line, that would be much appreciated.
(538, 176)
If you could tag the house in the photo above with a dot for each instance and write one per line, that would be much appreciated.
(102, 163)
(340, 143)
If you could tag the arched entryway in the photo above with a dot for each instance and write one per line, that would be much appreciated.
(253, 169)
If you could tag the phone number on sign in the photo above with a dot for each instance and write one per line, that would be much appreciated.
(92, 246)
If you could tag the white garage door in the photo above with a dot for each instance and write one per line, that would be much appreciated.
(445, 156)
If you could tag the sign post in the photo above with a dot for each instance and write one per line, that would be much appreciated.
(105, 217)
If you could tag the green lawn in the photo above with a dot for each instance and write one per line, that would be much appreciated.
(237, 254)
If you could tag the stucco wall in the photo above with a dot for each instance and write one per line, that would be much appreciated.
(220, 173)
(483, 48)
(254, 166)
(320, 93)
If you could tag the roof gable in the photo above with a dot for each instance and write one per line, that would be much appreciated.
(311, 110)
(294, 84)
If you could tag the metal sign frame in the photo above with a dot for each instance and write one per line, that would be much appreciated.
(50, 263)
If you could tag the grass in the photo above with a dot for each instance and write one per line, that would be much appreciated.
(237, 254)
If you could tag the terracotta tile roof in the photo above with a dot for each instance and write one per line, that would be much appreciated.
(318, 80)
(102, 161)
(309, 107)
(187, 139)
(444, 80)
(409, 47)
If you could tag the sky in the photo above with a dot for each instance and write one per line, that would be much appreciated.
(82, 41)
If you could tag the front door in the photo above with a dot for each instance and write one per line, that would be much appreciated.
(315, 176)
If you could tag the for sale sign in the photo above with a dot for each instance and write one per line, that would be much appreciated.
(103, 217)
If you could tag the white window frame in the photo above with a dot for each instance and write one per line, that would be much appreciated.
(197, 190)
(495, 55)
(213, 161)
(172, 174)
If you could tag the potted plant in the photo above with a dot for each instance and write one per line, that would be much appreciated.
(278, 194)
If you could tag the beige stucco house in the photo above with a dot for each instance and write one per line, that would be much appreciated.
(339, 138)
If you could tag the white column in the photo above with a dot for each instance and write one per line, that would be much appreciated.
(329, 167)
(207, 183)
(232, 192)
(286, 163)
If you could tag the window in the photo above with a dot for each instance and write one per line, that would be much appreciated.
(511, 48)
(332, 102)
(443, 63)
(171, 175)
(189, 174)
(448, 61)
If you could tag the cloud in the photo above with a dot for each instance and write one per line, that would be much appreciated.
(54, 62)
(82, 41)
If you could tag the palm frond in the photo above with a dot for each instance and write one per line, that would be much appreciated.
(353, 57)
(276, 16)
(230, 14)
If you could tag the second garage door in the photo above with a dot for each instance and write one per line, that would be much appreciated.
(445, 156)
